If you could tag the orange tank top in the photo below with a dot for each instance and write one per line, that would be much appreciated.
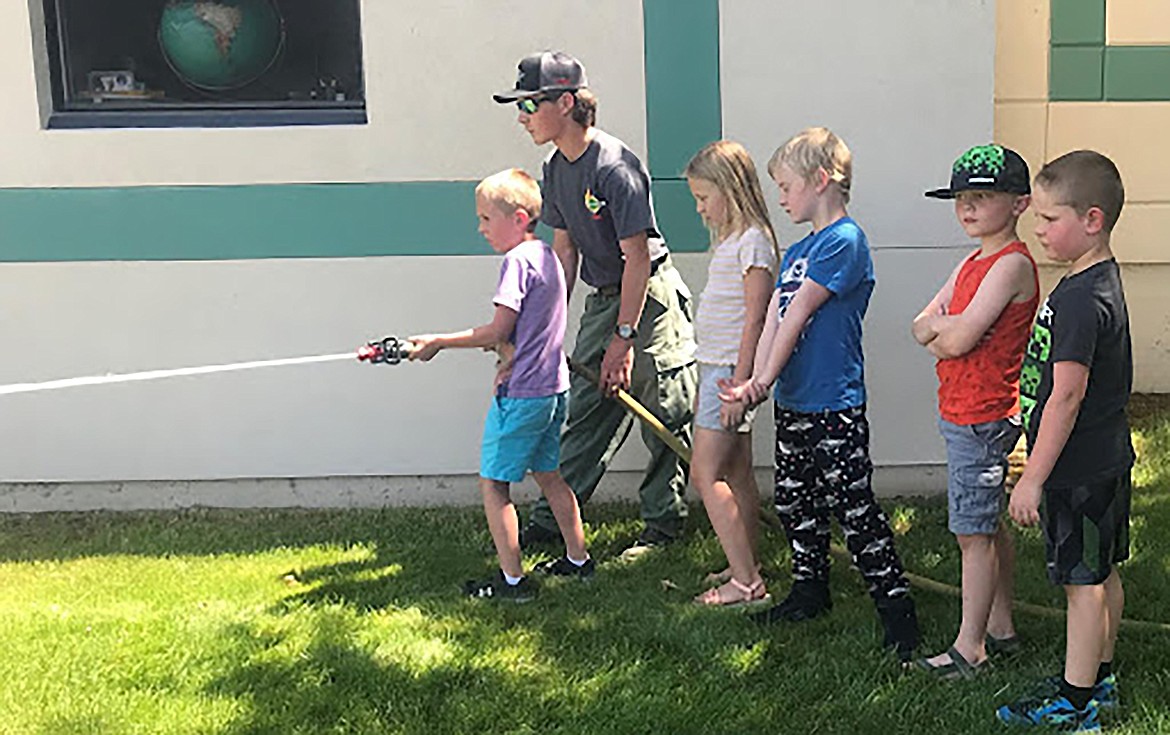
(984, 384)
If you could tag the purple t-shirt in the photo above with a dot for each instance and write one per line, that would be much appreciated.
(533, 285)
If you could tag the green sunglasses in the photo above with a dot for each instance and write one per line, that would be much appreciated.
(529, 105)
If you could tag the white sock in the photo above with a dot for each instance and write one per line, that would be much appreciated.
(512, 581)
(578, 563)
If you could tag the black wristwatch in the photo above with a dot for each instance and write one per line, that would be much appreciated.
(626, 331)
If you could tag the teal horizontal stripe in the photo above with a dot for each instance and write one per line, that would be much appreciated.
(227, 222)
(234, 222)
(268, 221)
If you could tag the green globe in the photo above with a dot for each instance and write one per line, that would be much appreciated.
(220, 44)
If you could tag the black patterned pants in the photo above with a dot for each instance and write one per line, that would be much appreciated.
(823, 470)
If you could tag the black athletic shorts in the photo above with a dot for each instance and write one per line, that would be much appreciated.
(1086, 530)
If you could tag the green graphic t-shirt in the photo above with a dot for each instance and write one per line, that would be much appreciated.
(1084, 320)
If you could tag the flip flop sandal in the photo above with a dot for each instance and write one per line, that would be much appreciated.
(724, 576)
(957, 668)
(1008, 646)
(753, 595)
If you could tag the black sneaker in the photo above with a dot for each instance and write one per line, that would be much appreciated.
(533, 535)
(564, 567)
(900, 621)
(651, 538)
(805, 601)
(497, 588)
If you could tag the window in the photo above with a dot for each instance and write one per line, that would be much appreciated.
(204, 63)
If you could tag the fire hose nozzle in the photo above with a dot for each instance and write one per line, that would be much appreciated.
(388, 350)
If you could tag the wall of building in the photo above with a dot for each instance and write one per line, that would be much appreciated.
(141, 249)
(1074, 74)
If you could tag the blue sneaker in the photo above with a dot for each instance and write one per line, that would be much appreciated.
(1056, 712)
(1104, 691)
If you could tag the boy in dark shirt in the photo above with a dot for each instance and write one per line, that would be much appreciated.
(1075, 383)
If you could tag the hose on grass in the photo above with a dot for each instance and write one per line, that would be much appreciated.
(769, 518)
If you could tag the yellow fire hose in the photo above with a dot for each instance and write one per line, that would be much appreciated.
(643, 414)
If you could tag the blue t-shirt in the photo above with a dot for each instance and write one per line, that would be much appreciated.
(827, 369)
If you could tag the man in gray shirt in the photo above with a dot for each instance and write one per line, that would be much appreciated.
(636, 331)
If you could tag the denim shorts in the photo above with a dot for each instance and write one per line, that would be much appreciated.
(707, 415)
(977, 462)
(522, 434)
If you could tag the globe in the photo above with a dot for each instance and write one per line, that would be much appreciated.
(220, 44)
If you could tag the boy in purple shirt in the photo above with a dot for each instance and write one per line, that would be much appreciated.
(522, 431)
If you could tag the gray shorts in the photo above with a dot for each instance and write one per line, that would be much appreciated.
(977, 462)
(707, 414)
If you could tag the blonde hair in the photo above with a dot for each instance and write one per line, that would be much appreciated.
(727, 165)
(812, 150)
(1085, 179)
(512, 189)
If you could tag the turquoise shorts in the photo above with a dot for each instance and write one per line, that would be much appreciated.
(522, 434)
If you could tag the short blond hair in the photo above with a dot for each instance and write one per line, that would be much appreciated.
(512, 189)
(1085, 179)
(811, 150)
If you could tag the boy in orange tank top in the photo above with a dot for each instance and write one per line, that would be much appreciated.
(977, 325)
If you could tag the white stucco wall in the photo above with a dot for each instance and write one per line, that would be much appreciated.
(886, 77)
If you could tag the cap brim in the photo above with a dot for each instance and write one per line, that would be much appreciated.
(512, 95)
(940, 193)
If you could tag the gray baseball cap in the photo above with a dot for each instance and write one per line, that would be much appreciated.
(547, 71)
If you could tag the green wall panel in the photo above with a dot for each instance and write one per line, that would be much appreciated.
(1077, 22)
(1082, 67)
(683, 109)
(1075, 73)
(680, 223)
(1137, 73)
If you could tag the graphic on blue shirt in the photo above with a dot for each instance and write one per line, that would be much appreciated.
(789, 284)
(827, 369)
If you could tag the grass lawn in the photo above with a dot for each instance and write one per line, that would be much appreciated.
(350, 622)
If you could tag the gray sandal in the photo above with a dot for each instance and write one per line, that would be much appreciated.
(957, 668)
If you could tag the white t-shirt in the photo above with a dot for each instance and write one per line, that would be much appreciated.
(722, 309)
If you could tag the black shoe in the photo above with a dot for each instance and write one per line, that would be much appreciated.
(533, 535)
(497, 588)
(900, 622)
(563, 567)
(805, 601)
(651, 538)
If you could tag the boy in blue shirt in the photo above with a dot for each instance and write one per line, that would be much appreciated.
(811, 348)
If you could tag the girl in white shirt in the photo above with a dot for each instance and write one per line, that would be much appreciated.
(732, 309)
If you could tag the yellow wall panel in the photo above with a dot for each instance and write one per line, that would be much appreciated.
(1149, 326)
(1149, 320)
(1142, 234)
(1021, 50)
(1133, 134)
(1137, 22)
(1021, 127)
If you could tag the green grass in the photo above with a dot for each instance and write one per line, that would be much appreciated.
(350, 622)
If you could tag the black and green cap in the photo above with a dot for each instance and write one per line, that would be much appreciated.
(987, 168)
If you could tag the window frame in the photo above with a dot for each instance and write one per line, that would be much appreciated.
(224, 114)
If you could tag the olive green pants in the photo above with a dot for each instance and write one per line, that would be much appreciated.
(664, 380)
